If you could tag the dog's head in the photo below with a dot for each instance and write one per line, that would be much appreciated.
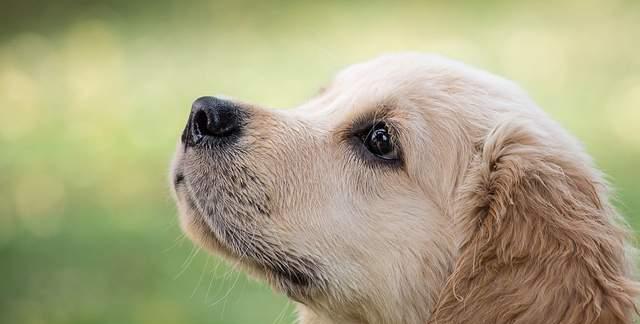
(363, 203)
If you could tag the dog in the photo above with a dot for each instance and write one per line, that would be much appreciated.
(411, 189)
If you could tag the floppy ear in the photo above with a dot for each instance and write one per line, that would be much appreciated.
(540, 243)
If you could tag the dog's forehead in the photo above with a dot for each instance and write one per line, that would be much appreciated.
(364, 87)
(343, 105)
(382, 66)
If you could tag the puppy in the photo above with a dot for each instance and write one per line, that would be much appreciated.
(412, 189)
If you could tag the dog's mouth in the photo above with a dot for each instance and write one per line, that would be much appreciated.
(178, 179)
(257, 252)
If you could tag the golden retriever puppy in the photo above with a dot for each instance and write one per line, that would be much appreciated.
(412, 189)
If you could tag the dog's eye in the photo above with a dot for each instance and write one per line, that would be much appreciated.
(378, 141)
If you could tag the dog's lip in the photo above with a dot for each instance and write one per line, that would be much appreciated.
(178, 179)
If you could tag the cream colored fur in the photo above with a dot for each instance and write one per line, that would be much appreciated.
(496, 214)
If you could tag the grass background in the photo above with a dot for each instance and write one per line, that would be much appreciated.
(93, 96)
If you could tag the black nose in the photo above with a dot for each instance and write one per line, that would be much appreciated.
(212, 118)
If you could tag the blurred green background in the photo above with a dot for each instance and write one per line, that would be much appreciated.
(93, 96)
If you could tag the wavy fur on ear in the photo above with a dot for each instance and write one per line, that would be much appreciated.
(542, 242)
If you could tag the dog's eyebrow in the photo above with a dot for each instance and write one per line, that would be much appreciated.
(364, 121)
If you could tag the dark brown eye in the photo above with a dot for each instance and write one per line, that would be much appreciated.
(378, 141)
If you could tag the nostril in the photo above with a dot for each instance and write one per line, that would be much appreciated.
(200, 124)
(212, 118)
(216, 121)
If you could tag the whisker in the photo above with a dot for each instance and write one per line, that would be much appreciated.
(206, 263)
(228, 291)
(188, 261)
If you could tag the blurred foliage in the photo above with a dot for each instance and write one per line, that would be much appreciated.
(93, 97)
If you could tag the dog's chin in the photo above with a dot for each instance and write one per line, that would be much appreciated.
(196, 228)
(296, 284)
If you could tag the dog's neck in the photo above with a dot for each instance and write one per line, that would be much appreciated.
(406, 293)
(307, 316)
(396, 312)
(407, 301)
